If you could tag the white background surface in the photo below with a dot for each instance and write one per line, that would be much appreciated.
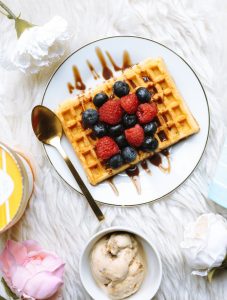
(57, 217)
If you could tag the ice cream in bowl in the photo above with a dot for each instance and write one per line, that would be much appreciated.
(120, 263)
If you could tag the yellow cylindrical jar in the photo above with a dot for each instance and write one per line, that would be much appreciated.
(16, 185)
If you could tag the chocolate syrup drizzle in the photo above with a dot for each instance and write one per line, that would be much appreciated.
(113, 186)
(127, 63)
(144, 165)
(78, 82)
(93, 71)
(116, 68)
(133, 173)
(106, 71)
(157, 160)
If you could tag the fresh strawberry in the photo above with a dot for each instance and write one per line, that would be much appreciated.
(111, 112)
(135, 135)
(146, 112)
(106, 148)
(130, 103)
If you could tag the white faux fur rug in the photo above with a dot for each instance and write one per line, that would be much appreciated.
(57, 217)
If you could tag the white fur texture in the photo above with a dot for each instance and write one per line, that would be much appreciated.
(57, 217)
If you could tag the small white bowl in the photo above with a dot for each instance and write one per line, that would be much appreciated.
(153, 274)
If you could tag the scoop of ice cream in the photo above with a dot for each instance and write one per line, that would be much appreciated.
(118, 242)
(118, 265)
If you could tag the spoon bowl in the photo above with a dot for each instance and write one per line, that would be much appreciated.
(48, 129)
(46, 124)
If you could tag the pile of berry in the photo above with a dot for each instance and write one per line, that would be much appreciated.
(123, 125)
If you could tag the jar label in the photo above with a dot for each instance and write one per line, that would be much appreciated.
(11, 188)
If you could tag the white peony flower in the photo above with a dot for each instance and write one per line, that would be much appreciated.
(39, 46)
(205, 243)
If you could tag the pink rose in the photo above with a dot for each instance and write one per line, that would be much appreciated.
(30, 271)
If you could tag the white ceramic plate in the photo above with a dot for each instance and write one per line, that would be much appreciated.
(184, 156)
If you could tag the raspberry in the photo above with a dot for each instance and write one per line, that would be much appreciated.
(146, 112)
(111, 112)
(130, 103)
(135, 135)
(106, 148)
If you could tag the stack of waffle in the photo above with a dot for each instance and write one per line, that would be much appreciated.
(174, 120)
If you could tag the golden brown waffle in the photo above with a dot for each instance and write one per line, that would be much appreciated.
(174, 119)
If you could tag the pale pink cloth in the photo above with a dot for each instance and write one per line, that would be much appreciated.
(30, 271)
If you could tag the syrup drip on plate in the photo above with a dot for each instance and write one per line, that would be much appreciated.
(116, 68)
(113, 186)
(70, 87)
(133, 173)
(78, 82)
(127, 63)
(126, 60)
(79, 85)
(144, 165)
(106, 72)
(156, 160)
(166, 153)
(93, 71)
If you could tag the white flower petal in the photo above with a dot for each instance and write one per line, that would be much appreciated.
(205, 242)
(200, 272)
(40, 46)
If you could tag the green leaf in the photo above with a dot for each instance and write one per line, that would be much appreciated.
(211, 274)
(8, 290)
(1, 298)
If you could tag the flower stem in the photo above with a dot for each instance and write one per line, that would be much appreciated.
(10, 15)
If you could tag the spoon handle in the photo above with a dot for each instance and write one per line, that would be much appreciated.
(56, 143)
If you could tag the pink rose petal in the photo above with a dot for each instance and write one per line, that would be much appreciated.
(40, 254)
(20, 277)
(31, 245)
(60, 271)
(18, 251)
(34, 267)
(7, 260)
(43, 285)
(31, 271)
(51, 263)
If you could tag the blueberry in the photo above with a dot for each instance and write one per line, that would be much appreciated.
(143, 94)
(150, 128)
(116, 161)
(89, 117)
(121, 141)
(129, 154)
(100, 99)
(99, 130)
(150, 144)
(121, 88)
(116, 130)
(129, 120)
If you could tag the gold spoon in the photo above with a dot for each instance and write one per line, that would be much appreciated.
(48, 129)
